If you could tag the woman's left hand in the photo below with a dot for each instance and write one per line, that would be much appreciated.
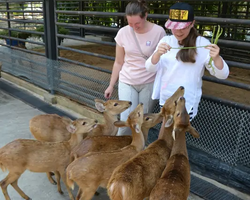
(214, 51)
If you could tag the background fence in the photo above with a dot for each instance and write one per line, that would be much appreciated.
(67, 47)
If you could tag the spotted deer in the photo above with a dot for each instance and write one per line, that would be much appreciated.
(37, 156)
(52, 127)
(110, 143)
(94, 169)
(134, 179)
(174, 183)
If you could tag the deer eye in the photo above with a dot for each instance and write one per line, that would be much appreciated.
(83, 123)
(115, 104)
(147, 118)
(139, 114)
(178, 115)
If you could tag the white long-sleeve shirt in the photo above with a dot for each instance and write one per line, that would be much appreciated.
(172, 73)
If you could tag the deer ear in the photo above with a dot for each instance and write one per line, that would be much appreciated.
(120, 124)
(169, 121)
(71, 129)
(193, 132)
(100, 106)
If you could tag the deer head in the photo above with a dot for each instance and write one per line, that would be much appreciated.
(114, 107)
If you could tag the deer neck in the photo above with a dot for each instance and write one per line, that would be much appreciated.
(109, 123)
(138, 140)
(145, 133)
(75, 140)
(179, 145)
(166, 134)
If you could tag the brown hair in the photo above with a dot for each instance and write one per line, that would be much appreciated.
(188, 55)
(138, 7)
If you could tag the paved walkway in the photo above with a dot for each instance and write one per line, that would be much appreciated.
(14, 122)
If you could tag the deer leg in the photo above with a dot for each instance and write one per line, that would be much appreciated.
(16, 187)
(63, 175)
(89, 192)
(12, 179)
(50, 178)
(57, 174)
(79, 194)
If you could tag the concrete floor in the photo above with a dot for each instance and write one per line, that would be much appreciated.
(14, 123)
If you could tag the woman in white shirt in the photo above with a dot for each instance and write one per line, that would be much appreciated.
(184, 67)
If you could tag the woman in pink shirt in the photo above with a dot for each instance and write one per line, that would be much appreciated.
(134, 44)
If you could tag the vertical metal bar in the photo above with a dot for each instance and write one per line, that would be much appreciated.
(50, 38)
(13, 60)
(82, 19)
(50, 30)
(24, 24)
(122, 9)
(8, 17)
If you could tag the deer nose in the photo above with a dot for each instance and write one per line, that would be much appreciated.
(130, 103)
(182, 98)
(141, 104)
(182, 88)
(96, 121)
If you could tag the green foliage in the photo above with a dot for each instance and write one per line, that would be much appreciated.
(15, 34)
(60, 30)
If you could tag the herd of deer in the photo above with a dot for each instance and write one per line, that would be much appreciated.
(90, 154)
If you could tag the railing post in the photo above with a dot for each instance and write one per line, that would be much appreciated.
(50, 40)
(82, 19)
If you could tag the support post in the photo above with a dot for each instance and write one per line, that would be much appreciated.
(82, 19)
(50, 40)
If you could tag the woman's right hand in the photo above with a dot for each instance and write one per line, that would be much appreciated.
(163, 48)
(108, 92)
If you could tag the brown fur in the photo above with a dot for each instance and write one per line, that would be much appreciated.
(36, 156)
(110, 110)
(94, 169)
(52, 127)
(174, 183)
(110, 143)
(135, 179)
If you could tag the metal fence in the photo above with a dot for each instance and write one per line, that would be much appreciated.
(223, 124)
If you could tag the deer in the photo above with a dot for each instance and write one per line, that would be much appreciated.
(95, 168)
(110, 143)
(134, 179)
(37, 156)
(52, 127)
(174, 183)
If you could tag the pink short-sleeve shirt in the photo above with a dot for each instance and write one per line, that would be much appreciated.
(133, 71)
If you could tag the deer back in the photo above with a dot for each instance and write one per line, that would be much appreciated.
(50, 128)
(100, 143)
